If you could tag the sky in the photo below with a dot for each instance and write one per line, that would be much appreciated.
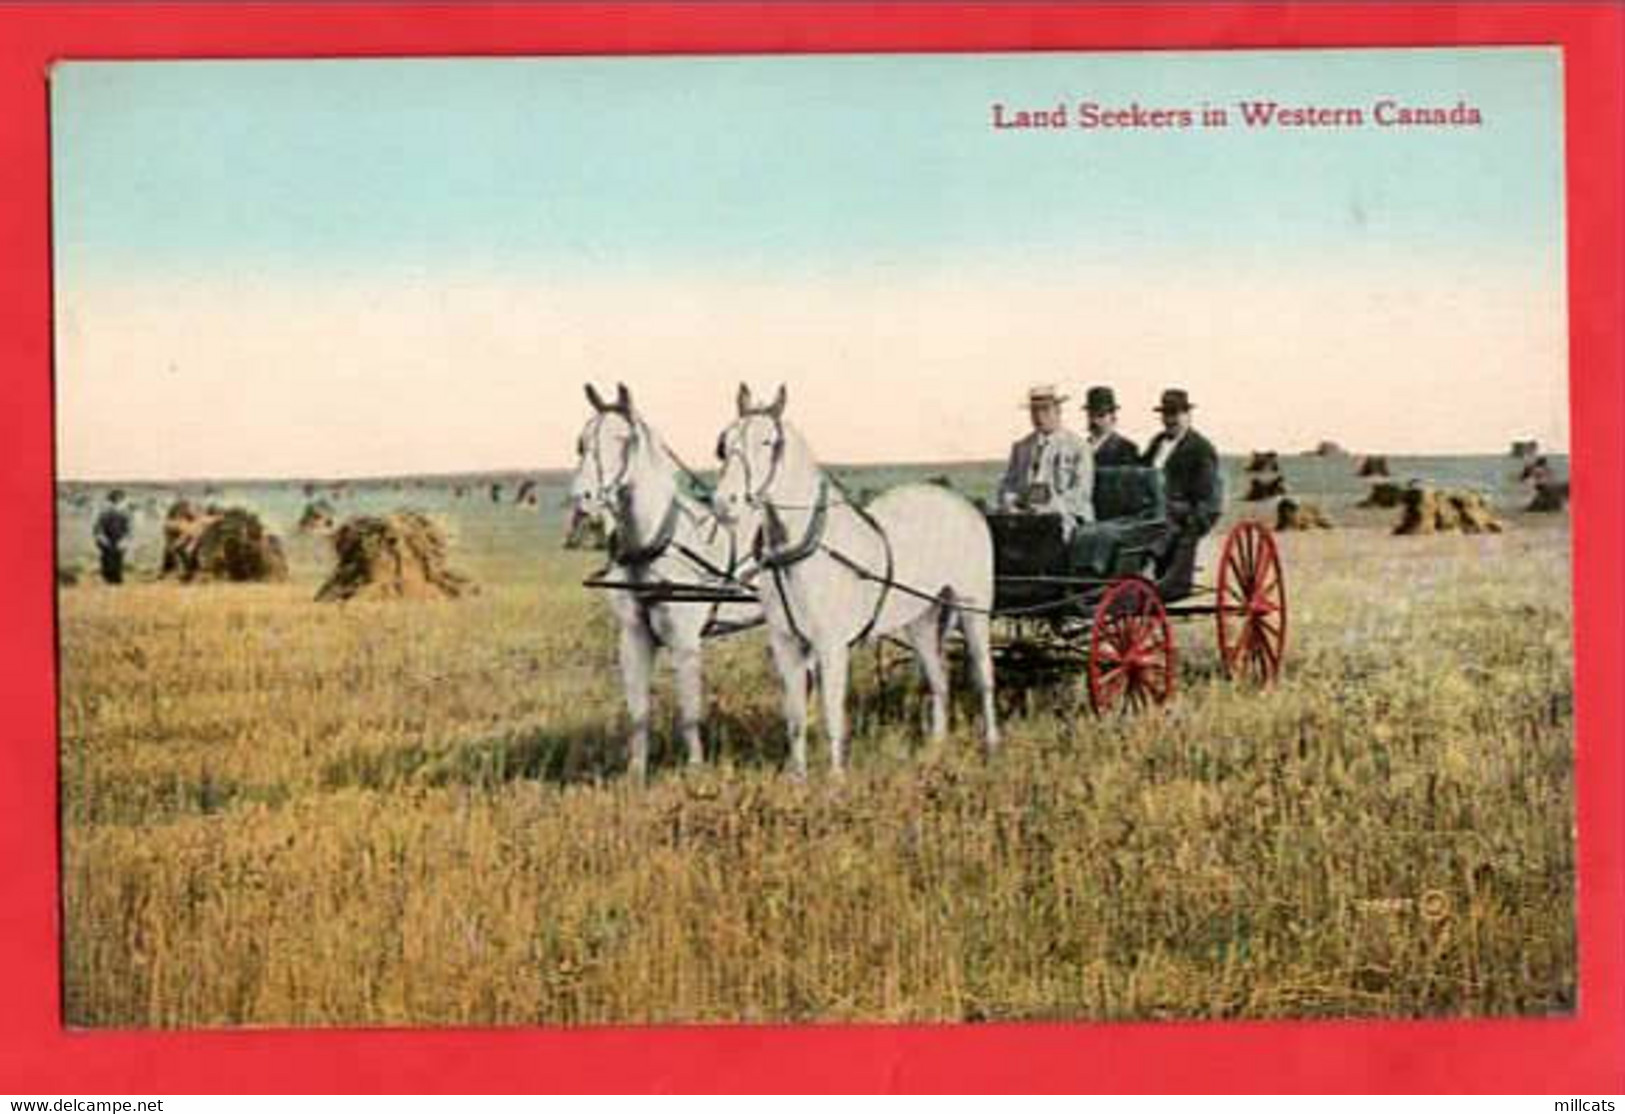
(328, 268)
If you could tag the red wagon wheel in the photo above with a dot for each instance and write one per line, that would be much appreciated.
(1131, 649)
(1251, 605)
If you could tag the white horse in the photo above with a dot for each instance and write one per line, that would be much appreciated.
(918, 559)
(627, 480)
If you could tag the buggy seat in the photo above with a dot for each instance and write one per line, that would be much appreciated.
(1033, 561)
(1131, 517)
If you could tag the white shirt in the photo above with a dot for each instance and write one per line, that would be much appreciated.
(1166, 449)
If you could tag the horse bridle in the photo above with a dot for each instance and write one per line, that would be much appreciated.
(607, 493)
(613, 494)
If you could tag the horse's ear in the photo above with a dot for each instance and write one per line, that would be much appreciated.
(594, 398)
(623, 399)
(777, 409)
(744, 400)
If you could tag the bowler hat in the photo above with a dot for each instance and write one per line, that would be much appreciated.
(1175, 401)
(1100, 400)
(1043, 394)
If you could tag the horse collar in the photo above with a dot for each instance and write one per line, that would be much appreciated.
(647, 554)
(784, 557)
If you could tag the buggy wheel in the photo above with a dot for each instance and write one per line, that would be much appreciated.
(1131, 649)
(1251, 608)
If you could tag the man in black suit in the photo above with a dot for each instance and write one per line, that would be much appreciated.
(1112, 449)
(1190, 469)
(112, 534)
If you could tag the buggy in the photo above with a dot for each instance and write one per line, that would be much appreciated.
(1091, 602)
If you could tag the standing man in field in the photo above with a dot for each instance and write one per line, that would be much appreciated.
(112, 535)
(1190, 469)
(1111, 449)
(1052, 469)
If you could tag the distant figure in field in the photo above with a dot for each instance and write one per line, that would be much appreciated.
(1190, 469)
(1112, 449)
(112, 534)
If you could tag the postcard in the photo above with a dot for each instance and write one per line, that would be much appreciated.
(1068, 536)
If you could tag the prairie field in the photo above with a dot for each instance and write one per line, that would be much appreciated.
(282, 813)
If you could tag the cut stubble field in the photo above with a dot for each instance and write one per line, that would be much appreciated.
(279, 812)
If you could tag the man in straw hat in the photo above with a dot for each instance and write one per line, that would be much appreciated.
(1052, 469)
(1190, 470)
(1112, 449)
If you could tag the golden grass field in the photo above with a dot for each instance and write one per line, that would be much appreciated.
(278, 812)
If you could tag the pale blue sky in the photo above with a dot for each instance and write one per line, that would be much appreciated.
(358, 267)
(782, 163)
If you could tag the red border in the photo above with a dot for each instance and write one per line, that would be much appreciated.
(1578, 1055)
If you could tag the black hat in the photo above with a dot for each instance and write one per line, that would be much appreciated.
(1175, 401)
(1100, 400)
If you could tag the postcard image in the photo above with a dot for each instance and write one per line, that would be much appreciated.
(827, 538)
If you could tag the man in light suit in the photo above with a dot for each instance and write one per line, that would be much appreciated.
(1112, 449)
(1190, 469)
(1052, 469)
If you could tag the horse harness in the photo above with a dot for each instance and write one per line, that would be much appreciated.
(639, 558)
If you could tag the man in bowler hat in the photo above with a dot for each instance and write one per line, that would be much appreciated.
(1190, 469)
(1112, 449)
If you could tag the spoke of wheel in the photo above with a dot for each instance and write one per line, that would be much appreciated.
(1270, 652)
(1266, 580)
(1110, 684)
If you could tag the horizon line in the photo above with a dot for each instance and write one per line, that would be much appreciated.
(375, 477)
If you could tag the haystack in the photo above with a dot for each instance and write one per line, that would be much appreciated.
(1328, 448)
(234, 545)
(1384, 495)
(1293, 515)
(317, 519)
(1525, 450)
(1428, 511)
(1265, 487)
(1267, 461)
(1550, 497)
(1373, 466)
(399, 556)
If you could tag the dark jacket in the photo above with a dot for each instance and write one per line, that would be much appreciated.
(112, 528)
(1191, 478)
(1116, 451)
